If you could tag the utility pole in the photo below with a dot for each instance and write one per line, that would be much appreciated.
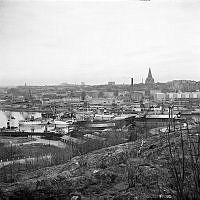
(11, 152)
(170, 117)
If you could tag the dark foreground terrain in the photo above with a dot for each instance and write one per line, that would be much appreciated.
(163, 166)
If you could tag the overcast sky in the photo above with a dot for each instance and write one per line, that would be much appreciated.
(50, 42)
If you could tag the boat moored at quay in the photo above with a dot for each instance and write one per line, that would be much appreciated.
(105, 121)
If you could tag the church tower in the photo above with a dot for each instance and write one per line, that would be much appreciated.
(149, 80)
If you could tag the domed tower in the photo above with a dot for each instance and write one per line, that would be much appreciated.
(149, 80)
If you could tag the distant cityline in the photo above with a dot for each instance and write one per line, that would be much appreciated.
(95, 84)
(148, 81)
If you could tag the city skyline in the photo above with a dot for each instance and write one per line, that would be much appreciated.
(47, 42)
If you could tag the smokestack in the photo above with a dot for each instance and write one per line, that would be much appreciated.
(8, 124)
(132, 82)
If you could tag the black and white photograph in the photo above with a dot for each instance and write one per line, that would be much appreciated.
(99, 99)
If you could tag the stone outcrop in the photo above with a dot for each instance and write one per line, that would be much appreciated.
(107, 172)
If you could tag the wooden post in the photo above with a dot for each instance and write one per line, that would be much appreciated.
(169, 117)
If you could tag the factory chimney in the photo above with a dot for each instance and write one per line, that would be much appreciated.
(131, 89)
(131, 82)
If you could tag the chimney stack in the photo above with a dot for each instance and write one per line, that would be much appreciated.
(132, 82)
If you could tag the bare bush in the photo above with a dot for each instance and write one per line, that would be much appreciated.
(184, 163)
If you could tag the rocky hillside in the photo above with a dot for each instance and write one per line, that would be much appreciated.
(135, 170)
